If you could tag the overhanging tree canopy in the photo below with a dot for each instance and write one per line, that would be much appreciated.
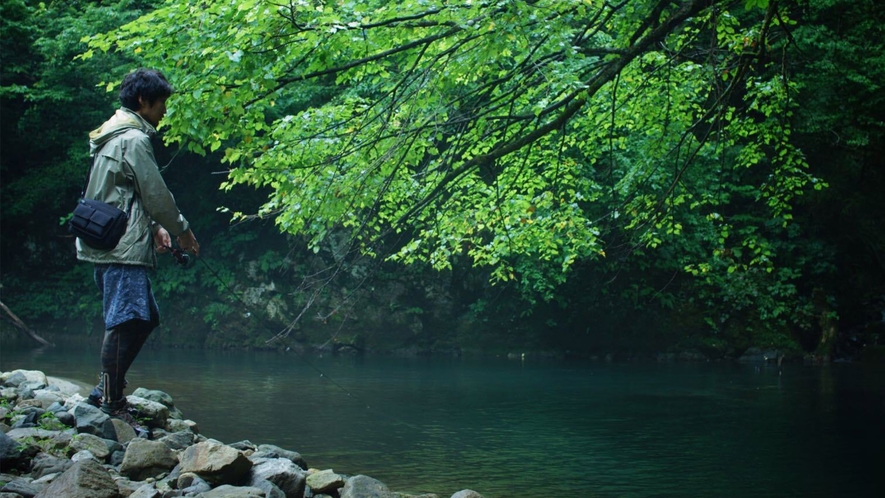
(527, 135)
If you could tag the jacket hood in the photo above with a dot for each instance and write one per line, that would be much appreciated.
(120, 122)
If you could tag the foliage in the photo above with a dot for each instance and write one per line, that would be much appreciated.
(525, 135)
(51, 100)
(60, 297)
(574, 172)
(48, 102)
(50, 422)
(838, 64)
(44, 88)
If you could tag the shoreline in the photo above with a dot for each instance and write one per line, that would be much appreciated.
(674, 355)
(53, 444)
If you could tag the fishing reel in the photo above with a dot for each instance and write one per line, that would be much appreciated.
(182, 258)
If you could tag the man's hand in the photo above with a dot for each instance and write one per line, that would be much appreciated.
(188, 242)
(162, 240)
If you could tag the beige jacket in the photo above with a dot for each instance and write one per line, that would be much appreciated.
(124, 169)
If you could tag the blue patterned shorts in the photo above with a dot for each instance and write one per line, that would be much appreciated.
(127, 295)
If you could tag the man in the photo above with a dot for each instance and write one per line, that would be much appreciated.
(125, 174)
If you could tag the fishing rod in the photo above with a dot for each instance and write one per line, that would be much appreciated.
(186, 260)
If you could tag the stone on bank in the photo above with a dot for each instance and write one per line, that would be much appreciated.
(55, 445)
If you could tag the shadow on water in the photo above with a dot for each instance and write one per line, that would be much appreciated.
(516, 429)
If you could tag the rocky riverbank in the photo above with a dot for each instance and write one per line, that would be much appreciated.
(55, 445)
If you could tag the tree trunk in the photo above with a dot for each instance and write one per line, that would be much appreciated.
(828, 326)
(18, 323)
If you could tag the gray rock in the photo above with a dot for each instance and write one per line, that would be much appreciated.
(23, 487)
(65, 387)
(91, 420)
(48, 478)
(228, 491)
(30, 409)
(281, 472)
(26, 420)
(85, 479)
(66, 418)
(122, 432)
(47, 397)
(244, 445)
(154, 413)
(175, 413)
(10, 453)
(126, 487)
(361, 486)
(171, 478)
(145, 459)
(26, 390)
(9, 394)
(271, 451)
(196, 488)
(83, 455)
(178, 425)
(148, 490)
(186, 479)
(154, 395)
(116, 458)
(33, 385)
(467, 493)
(771, 355)
(270, 489)
(407, 495)
(189, 479)
(113, 446)
(93, 444)
(178, 440)
(73, 401)
(62, 440)
(752, 355)
(158, 434)
(57, 407)
(16, 377)
(32, 433)
(44, 464)
(164, 485)
(215, 462)
(325, 481)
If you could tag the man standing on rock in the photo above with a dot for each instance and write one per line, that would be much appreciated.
(125, 174)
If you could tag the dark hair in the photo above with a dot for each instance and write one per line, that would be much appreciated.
(148, 84)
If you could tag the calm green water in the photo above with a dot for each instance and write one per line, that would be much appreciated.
(551, 429)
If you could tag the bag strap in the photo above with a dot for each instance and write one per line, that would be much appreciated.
(86, 183)
(89, 174)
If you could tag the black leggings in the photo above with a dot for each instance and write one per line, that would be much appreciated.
(120, 347)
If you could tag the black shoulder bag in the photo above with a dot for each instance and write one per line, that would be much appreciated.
(98, 224)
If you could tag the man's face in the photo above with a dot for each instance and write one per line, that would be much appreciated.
(152, 113)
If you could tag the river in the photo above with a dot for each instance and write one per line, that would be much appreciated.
(531, 428)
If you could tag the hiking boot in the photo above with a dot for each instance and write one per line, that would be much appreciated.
(123, 412)
(95, 397)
